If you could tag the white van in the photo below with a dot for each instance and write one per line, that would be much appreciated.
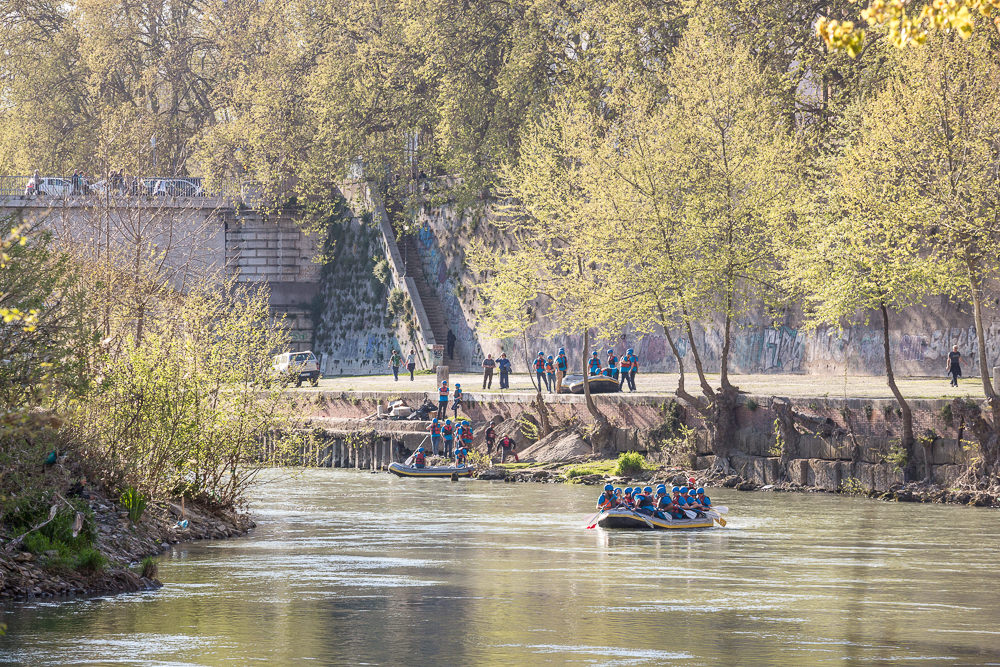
(298, 366)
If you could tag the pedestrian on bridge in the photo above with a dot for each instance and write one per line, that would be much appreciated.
(955, 365)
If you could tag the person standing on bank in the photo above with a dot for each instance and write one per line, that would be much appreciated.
(394, 361)
(488, 366)
(955, 365)
(562, 365)
(540, 371)
(443, 392)
(504, 365)
(411, 362)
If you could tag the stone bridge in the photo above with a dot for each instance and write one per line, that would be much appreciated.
(207, 232)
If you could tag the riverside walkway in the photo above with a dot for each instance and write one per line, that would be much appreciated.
(663, 384)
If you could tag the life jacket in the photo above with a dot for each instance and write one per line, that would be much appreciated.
(626, 362)
(435, 429)
(491, 435)
(606, 502)
(506, 443)
(549, 368)
(612, 361)
(633, 361)
(458, 394)
(562, 362)
(539, 364)
(628, 500)
(645, 501)
(466, 433)
(448, 431)
(443, 393)
(705, 500)
(418, 458)
(595, 364)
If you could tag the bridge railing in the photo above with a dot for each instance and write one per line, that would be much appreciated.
(62, 187)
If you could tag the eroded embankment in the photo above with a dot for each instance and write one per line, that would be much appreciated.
(818, 443)
(121, 543)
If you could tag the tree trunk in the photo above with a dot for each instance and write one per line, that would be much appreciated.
(591, 406)
(527, 361)
(724, 361)
(984, 364)
(706, 388)
(904, 407)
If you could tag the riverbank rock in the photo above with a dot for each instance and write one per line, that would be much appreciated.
(557, 446)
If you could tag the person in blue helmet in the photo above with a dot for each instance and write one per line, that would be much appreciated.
(672, 506)
(612, 370)
(658, 501)
(539, 366)
(562, 365)
(550, 373)
(461, 455)
(633, 368)
(443, 392)
(627, 499)
(607, 500)
(625, 364)
(457, 399)
(448, 433)
(618, 494)
(418, 459)
(435, 429)
(645, 503)
(595, 364)
(703, 500)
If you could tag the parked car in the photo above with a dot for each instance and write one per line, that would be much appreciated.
(173, 187)
(298, 366)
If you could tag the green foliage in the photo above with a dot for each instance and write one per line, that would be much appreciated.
(134, 502)
(188, 405)
(778, 446)
(606, 467)
(897, 456)
(149, 568)
(91, 560)
(853, 487)
(629, 463)
(946, 415)
(398, 304)
(381, 271)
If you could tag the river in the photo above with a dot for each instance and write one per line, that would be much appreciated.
(352, 567)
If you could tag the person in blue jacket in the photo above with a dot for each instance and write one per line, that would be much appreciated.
(503, 365)
(595, 364)
(633, 368)
(703, 500)
(443, 400)
(448, 431)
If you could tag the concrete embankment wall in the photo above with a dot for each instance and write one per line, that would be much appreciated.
(836, 442)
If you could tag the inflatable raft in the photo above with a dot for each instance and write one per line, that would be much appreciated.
(599, 384)
(624, 518)
(404, 470)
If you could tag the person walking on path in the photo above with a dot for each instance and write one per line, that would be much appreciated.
(411, 362)
(562, 365)
(540, 371)
(503, 363)
(443, 400)
(394, 361)
(488, 366)
(955, 365)
(457, 402)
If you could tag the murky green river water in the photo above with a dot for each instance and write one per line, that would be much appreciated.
(355, 568)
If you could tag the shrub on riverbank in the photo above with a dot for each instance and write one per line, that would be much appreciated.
(630, 463)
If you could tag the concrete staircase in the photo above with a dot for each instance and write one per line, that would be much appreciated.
(432, 303)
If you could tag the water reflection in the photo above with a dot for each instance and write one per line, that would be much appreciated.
(349, 567)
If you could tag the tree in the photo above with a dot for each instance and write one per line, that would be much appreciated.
(853, 258)
(910, 23)
(927, 155)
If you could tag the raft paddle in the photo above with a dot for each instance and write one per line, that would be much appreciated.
(643, 517)
(721, 509)
(592, 521)
(717, 517)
